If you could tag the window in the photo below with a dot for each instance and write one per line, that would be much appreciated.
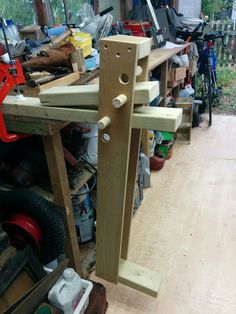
(21, 12)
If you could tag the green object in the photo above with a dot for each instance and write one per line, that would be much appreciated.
(167, 136)
(167, 143)
(44, 310)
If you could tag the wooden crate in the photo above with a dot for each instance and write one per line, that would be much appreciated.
(185, 128)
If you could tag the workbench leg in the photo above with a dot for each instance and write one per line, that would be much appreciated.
(61, 191)
(130, 191)
(164, 79)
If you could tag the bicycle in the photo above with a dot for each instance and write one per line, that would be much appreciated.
(207, 69)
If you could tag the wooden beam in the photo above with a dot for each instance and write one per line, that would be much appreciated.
(144, 44)
(88, 95)
(132, 171)
(61, 192)
(139, 278)
(150, 118)
(113, 156)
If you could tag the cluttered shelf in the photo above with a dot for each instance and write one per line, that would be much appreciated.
(78, 182)
(160, 55)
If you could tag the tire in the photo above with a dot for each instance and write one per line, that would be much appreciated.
(209, 94)
(43, 212)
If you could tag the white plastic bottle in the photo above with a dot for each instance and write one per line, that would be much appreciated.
(67, 291)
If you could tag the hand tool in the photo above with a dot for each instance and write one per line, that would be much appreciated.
(11, 74)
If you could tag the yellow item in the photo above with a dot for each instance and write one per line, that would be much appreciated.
(82, 40)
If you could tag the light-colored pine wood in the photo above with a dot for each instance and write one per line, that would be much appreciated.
(139, 278)
(143, 44)
(113, 157)
(88, 95)
(160, 55)
(63, 81)
(61, 191)
(132, 171)
(170, 118)
(163, 119)
(33, 125)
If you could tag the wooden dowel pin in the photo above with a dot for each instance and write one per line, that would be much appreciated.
(119, 101)
(103, 123)
(139, 70)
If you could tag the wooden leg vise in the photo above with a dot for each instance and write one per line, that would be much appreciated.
(124, 61)
(120, 117)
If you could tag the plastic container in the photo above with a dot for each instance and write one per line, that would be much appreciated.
(83, 215)
(11, 32)
(137, 28)
(90, 63)
(84, 302)
(67, 292)
(82, 40)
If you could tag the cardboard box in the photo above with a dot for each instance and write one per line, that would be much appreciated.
(177, 74)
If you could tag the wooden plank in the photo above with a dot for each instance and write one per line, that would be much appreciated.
(157, 118)
(33, 125)
(87, 95)
(118, 62)
(132, 171)
(143, 43)
(160, 55)
(164, 79)
(60, 186)
(63, 81)
(139, 278)
(162, 119)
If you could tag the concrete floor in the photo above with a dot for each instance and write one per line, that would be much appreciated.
(186, 229)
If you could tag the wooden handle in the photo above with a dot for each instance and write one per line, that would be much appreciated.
(103, 123)
(119, 101)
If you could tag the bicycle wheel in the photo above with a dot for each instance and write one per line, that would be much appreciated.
(209, 93)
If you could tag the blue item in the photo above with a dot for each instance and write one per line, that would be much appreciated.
(57, 31)
(90, 63)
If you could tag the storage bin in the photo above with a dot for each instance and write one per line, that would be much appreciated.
(82, 40)
(84, 302)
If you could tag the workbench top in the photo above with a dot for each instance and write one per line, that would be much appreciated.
(160, 55)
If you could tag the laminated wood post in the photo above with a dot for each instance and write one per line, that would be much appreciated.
(119, 60)
(133, 164)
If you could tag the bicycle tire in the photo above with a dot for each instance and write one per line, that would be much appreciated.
(209, 93)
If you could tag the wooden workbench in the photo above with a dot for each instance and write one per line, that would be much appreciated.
(30, 117)
(160, 58)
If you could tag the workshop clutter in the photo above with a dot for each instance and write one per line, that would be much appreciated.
(70, 293)
(161, 148)
(83, 214)
(29, 219)
(67, 291)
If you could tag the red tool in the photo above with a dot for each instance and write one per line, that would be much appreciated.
(11, 74)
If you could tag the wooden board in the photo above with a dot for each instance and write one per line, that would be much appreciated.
(63, 81)
(83, 95)
(33, 125)
(160, 55)
(117, 76)
(132, 171)
(162, 119)
(139, 278)
(143, 43)
(60, 186)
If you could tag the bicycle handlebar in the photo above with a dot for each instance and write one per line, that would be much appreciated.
(215, 35)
